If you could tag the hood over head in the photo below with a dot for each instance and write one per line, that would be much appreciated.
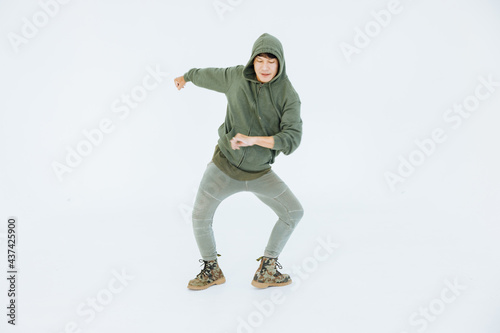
(266, 43)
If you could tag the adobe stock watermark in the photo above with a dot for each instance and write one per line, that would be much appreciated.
(381, 19)
(454, 116)
(186, 210)
(421, 319)
(267, 307)
(122, 107)
(204, 194)
(30, 28)
(223, 6)
(88, 310)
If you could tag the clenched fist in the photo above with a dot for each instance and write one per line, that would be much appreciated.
(179, 82)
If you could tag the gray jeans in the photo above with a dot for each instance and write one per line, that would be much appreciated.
(215, 186)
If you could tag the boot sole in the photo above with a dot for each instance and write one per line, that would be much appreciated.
(219, 281)
(263, 285)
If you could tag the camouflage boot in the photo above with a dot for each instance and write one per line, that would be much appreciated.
(210, 274)
(268, 276)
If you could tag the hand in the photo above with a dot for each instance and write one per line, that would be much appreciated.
(179, 82)
(240, 140)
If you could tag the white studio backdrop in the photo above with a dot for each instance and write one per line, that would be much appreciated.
(397, 170)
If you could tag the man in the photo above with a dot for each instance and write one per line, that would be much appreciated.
(262, 120)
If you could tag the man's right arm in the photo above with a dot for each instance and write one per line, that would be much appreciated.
(218, 79)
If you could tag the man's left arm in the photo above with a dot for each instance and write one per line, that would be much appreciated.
(241, 140)
(263, 141)
(287, 140)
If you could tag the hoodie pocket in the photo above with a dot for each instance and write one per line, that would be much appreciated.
(234, 156)
(256, 158)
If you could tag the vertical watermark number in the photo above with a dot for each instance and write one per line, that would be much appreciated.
(11, 270)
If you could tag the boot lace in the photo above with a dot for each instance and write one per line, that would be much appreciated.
(277, 263)
(206, 270)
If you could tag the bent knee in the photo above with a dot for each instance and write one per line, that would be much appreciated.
(202, 223)
(295, 217)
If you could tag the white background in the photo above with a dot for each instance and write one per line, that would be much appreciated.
(126, 206)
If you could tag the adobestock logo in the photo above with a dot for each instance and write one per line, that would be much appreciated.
(215, 186)
(421, 319)
(95, 137)
(98, 303)
(40, 19)
(221, 6)
(363, 37)
(267, 307)
(455, 116)
(186, 210)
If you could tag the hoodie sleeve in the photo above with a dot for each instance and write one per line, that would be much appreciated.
(218, 79)
(288, 139)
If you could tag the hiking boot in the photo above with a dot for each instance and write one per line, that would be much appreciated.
(210, 274)
(268, 276)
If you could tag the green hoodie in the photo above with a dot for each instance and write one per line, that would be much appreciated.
(255, 108)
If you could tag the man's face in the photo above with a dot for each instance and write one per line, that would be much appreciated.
(265, 68)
